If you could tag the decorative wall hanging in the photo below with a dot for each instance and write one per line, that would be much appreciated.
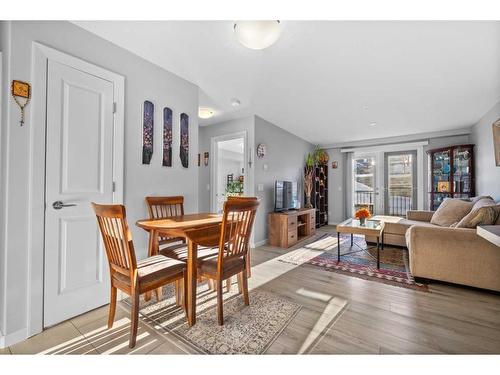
(167, 137)
(147, 131)
(335, 164)
(184, 149)
(22, 90)
(496, 141)
(261, 150)
(205, 158)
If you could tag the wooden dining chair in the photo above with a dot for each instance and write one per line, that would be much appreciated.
(126, 273)
(234, 238)
(164, 208)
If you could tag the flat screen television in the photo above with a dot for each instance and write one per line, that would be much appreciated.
(285, 196)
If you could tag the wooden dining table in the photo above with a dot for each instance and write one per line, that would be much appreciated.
(179, 226)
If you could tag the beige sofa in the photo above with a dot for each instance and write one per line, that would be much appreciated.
(455, 255)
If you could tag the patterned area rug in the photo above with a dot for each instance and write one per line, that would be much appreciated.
(246, 330)
(361, 262)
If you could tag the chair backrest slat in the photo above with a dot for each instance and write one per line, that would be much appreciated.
(237, 223)
(165, 207)
(116, 237)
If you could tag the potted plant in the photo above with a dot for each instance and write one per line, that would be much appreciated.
(320, 156)
(308, 179)
(362, 214)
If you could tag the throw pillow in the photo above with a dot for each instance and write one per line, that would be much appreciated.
(497, 208)
(488, 201)
(479, 197)
(451, 211)
(481, 216)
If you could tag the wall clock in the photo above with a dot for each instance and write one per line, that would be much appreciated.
(261, 150)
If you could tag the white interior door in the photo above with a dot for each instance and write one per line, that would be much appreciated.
(79, 169)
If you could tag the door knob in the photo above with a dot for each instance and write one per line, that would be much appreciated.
(57, 205)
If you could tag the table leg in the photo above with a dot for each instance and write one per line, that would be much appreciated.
(352, 240)
(191, 282)
(338, 247)
(378, 252)
(153, 249)
(382, 241)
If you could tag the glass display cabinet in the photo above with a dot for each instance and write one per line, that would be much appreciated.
(451, 174)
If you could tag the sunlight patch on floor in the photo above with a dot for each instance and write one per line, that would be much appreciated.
(330, 314)
(274, 268)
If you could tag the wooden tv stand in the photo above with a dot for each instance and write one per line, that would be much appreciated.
(286, 228)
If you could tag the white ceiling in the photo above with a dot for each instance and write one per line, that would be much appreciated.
(326, 81)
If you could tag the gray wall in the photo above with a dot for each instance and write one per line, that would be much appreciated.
(285, 159)
(336, 177)
(206, 134)
(487, 173)
(143, 80)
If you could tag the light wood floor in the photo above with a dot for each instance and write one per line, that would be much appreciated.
(376, 319)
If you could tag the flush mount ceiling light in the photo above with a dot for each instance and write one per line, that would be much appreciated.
(373, 124)
(257, 34)
(235, 102)
(205, 112)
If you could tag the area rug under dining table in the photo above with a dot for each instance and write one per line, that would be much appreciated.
(246, 330)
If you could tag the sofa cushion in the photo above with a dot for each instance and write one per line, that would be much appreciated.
(402, 225)
(488, 201)
(479, 197)
(485, 215)
(451, 211)
(497, 208)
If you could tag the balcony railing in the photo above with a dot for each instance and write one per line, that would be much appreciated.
(398, 201)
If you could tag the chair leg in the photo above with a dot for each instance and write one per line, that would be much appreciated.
(240, 282)
(220, 312)
(134, 317)
(244, 280)
(184, 292)
(112, 307)
(158, 293)
(179, 292)
(228, 285)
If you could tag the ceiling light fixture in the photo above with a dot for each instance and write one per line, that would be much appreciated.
(373, 124)
(257, 34)
(205, 112)
(235, 102)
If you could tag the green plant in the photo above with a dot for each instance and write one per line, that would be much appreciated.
(320, 155)
(309, 161)
(235, 187)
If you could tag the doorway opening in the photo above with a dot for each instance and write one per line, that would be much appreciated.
(229, 172)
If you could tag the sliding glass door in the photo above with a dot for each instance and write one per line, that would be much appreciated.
(400, 182)
(364, 183)
(385, 182)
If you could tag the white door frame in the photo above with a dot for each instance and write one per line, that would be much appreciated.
(41, 54)
(213, 164)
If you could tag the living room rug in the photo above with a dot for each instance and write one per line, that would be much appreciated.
(246, 330)
(322, 253)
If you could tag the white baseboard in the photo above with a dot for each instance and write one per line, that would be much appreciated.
(259, 243)
(13, 338)
(333, 223)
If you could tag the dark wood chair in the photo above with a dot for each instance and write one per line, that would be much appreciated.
(126, 273)
(233, 238)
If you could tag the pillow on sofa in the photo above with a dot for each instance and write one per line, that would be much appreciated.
(451, 211)
(497, 208)
(486, 215)
(479, 197)
(483, 202)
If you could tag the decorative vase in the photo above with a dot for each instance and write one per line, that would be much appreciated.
(308, 202)
(362, 220)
